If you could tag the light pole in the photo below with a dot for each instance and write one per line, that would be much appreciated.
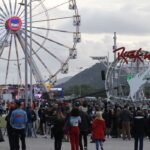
(80, 86)
(115, 44)
(31, 98)
(26, 47)
(26, 67)
(18, 77)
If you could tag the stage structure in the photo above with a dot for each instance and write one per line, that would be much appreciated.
(55, 34)
(128, 76)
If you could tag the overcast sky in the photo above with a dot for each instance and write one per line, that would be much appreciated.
(101, 18)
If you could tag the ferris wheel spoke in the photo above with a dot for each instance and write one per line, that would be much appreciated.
(47, 10)
(3, 37)
(1, 20)
(53, 41)
(57, 30)
(35, 70)
(6, 7)
(42, 62)
(10, 6)
(45, 66)
(8, 62)
(17, 55)
(46, 50)
(15, 6)
(4, 14)
(52, 19)
(54, 56)
(36, 6)
(2, 32)
(19, 8)
(3, 44)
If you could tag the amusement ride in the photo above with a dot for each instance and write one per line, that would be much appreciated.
(50, 43)
(128, 76)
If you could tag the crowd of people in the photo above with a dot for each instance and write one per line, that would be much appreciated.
(74, 121)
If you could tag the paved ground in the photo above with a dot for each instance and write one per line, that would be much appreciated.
(41, 143)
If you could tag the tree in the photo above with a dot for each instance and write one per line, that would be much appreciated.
(80, 90)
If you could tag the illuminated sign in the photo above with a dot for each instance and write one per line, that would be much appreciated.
(56, 89)
(14, 23)
(133, 54)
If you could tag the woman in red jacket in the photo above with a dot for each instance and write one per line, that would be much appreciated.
(98, 130)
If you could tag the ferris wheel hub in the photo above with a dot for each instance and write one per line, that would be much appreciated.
(13, 24)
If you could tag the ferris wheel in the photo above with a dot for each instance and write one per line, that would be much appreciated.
(55, 34)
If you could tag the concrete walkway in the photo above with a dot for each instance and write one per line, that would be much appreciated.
(41, 143)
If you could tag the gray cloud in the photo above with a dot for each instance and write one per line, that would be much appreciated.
(128, 19)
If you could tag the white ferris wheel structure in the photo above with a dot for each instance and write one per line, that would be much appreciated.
(48, 37)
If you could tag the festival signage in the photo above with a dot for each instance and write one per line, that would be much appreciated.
(14, 23)
(132, 54)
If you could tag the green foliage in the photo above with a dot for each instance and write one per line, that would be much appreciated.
(79, 90)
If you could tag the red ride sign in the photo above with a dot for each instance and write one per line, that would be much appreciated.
(14, 23)
(132, 54)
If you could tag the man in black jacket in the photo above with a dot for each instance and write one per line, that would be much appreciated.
(139, 126)
(125, 117)
(10, 130)
(84, 127)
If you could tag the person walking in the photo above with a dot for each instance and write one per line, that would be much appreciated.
(84, 128)
(18, 120)
(10, 130)
(74, 132)
(58, 130)
(98, 130)
(139, 128)
(29, 122)
(125, 118)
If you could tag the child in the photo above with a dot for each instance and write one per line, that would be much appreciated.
(98, 130)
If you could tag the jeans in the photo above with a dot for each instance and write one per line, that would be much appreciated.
(99, 143)
(29, 129)
(138, 139)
